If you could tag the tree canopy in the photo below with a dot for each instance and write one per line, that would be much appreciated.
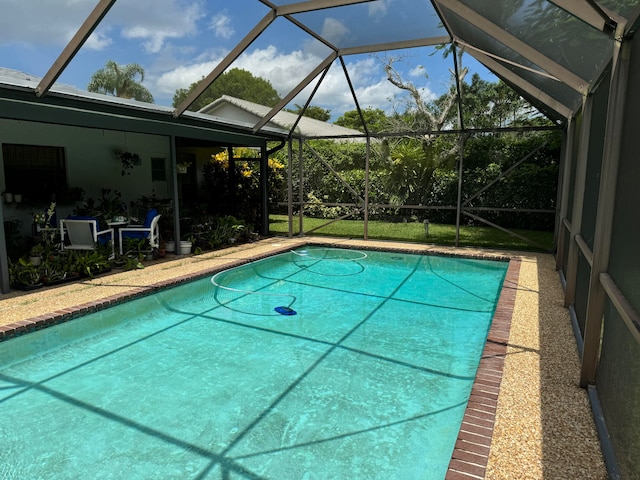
(375, 119)
(124, 81)
(312, 111)
(236, 83)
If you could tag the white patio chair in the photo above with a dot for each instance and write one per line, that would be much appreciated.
(83, 234)
(149, 230)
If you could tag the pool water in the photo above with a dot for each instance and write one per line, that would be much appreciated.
(369, 379)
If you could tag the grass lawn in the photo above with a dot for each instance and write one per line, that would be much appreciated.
(414, 232)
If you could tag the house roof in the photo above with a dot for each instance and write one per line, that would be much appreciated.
(236, 109)
(74, 106)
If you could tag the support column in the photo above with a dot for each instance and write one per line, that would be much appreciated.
(459, 202)
(366, 189)
(4, 260)
(264, 189)
(301, 186)
(462, 142)
(578, 202)
(290, 185)
(233, 182)
(563, 185)
(605, 211)
(174, 192)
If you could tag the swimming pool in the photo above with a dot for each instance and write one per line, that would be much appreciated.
(369, 379)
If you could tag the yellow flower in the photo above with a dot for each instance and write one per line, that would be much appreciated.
(275, 164)
(244, 152)
(221, 158)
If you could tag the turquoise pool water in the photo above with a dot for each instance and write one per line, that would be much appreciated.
(368, 380)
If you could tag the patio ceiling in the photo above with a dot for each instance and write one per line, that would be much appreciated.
(552, 52)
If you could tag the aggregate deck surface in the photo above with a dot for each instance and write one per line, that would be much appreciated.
(535, 420)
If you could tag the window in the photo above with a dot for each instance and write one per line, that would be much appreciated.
(158, 169)
(35, 171)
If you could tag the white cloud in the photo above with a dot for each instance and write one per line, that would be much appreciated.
(286, 70)
(334, 30)
(182, 77)
(221, 25)
(418, 71)
(161, 20)
(283, 70)
(37, 23)
(378, 9)
(371, 87)
(98, 41)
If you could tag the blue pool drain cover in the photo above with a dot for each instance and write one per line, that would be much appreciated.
(285, 311)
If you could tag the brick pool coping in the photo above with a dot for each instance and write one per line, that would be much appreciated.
(471, 452)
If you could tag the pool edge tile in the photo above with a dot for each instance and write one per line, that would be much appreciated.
(22, 327)
(471, 452)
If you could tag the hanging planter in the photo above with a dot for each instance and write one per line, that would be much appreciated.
(128, 161)
(182, 167)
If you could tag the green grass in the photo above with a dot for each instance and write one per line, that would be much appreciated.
(415, 232)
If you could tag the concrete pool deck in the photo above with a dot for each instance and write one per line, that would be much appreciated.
(541, 423)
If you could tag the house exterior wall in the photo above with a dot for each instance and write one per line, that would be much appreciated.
(91, 162)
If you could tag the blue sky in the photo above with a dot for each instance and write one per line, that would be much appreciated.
(178, 42)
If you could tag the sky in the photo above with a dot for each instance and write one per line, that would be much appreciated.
(178, 42)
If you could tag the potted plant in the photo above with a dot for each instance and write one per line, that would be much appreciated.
(35, 254)
(139, 248)
(183, 166)
(128, 160)
(57, 269)
(89, 264)
(23, 275)
(186, 245)
(162, 249)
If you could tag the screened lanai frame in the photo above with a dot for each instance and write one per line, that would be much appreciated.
(595, 255)
(362, 205)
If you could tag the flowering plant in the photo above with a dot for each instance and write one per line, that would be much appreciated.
(222, 159)
(39, 218)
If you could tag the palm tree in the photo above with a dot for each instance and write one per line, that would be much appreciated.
(120, 81)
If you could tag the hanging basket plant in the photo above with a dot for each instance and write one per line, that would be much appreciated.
(128, 161)
(182, 167)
